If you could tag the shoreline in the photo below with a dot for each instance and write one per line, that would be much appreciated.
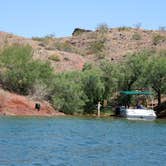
(69, 116)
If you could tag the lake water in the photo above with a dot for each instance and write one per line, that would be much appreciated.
(81, 142)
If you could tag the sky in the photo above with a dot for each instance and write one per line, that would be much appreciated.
(33, 18)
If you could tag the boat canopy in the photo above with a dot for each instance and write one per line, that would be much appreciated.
(136, 92)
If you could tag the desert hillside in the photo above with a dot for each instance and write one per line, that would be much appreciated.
(78, 92)
(71, 53)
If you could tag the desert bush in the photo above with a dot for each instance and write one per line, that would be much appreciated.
(64, 46)
(162, 52)
(45, 40)
(38, 38)
(136, 36)
(158, 39)
(49, 36)
(66, 59)
(102, 28)
(98, 48)
(87, 66)
(124, 28)
(54, 57)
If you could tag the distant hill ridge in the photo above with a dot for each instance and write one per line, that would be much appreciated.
(85, 46)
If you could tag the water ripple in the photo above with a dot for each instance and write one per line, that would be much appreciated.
(80, 142)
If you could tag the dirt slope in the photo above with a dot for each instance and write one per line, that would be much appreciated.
(16, 105)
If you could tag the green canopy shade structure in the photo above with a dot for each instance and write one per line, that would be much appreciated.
(136, 92)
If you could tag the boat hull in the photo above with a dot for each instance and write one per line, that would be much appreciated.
(138, 114)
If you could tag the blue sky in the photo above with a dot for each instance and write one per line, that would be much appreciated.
(42, 17)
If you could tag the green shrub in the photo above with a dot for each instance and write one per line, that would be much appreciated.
(162, 52)
(103, 28)
(136, 36)
(98, 48)
(66, 59)
(158, 39)
(49, 36)
(64, 46)
(38, 39)
(87, 66)
(54, 57)
(124, 28)
(44, 41)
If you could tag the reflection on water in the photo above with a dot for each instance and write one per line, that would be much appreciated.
(81, 142)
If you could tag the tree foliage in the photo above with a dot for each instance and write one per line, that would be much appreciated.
(155, 75)
(133, 68)
(19, 71)
(110, 76)
(68, 95)
(93, 87)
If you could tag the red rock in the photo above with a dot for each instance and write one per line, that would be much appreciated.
(16, 105)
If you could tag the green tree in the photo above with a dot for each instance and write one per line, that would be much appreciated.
(68, 95)
(131, 71)
(19, 71)
(110, 76)
(93, 87)
(155, 75)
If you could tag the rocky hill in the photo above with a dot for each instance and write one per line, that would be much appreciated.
(71, 53)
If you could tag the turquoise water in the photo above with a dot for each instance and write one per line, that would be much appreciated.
(81, 142)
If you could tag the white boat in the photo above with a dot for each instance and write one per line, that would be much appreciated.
(137, 114)
(140, 112)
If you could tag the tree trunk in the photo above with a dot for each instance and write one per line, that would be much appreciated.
(159, 97)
